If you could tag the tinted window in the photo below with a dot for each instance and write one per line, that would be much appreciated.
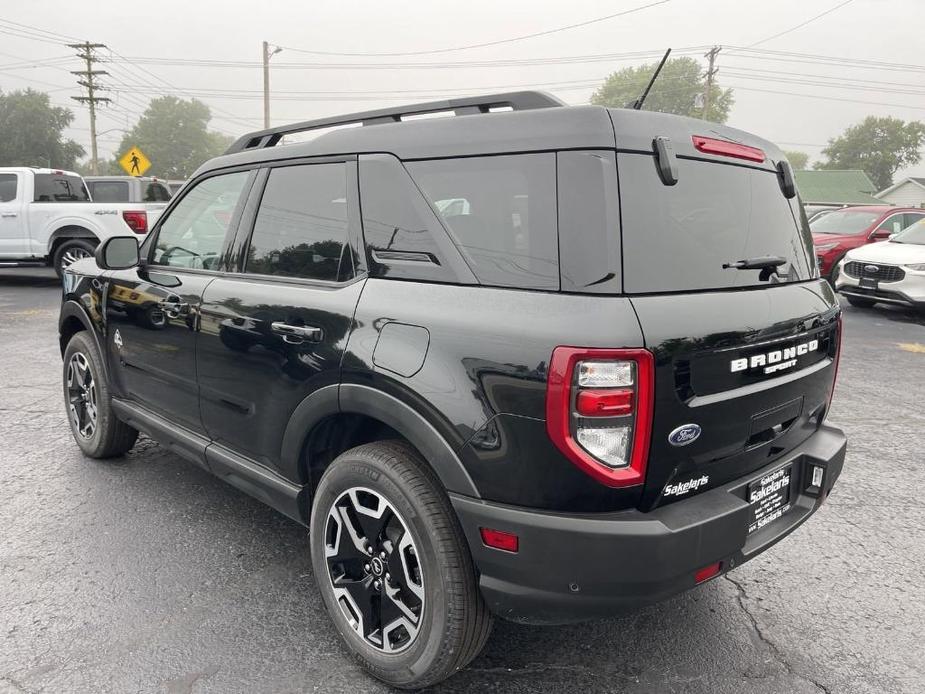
(193, 233)
(60, 188)
(7, 187)
(109, 191)
(301, 225)
(844, 222)
(402, 233)
(500, 212)
(589, 226)
(677, 238)
(155, 192)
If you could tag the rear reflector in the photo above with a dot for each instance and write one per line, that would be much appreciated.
(499, 539)
(604, 403)
(724, 148)
(137, 221)
(708, 572)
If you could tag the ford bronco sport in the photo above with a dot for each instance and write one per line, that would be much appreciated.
(532, 361)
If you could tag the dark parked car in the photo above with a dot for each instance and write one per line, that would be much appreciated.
(838, 232)
(532, 361)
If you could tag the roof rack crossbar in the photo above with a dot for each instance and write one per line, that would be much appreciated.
(516, 101)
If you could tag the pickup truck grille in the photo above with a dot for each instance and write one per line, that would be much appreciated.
(877, 271)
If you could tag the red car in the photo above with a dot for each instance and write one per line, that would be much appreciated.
(836, 233)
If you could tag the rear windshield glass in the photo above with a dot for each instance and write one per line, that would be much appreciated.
(844, 222)
(60, 188)
(500, 212)
(109, 191)
(677, 238)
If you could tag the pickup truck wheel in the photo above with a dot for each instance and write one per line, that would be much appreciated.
(71, 251)
(394, 568)
(97, 431)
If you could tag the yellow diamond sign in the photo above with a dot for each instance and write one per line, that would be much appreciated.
(135, 162)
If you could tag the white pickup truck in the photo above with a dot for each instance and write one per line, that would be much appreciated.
(47, 216)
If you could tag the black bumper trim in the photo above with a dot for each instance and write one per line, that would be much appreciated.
(573, 568)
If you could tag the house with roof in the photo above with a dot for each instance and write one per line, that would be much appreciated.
(909, 192)
(833, 187)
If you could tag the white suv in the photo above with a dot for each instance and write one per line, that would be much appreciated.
(890, 271)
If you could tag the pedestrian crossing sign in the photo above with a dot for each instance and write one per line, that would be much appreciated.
(134, 162)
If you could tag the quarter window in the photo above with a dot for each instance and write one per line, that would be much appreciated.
(193, 234)
(301, 225)
(501, 213)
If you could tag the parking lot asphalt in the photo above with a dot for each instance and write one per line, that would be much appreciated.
(146, 574)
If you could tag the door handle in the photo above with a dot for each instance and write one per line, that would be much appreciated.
(8, 214)
(297, 334)
(173, 309)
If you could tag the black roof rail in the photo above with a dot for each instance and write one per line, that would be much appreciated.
(516, 101)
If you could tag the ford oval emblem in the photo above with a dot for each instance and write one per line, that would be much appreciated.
(684, 434)
(873, 269)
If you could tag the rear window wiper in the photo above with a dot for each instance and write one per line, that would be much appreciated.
(768, 265)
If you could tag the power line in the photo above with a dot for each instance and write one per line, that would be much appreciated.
(801, 24)
(487, 43)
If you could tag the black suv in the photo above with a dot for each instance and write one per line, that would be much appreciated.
(532, 361)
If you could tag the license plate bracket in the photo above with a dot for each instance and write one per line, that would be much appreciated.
(868, 283)
(769, 497)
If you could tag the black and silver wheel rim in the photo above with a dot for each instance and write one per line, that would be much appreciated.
(374, 569)
(81, 396)
(72, 254)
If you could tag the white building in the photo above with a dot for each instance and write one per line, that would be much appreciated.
(909, 192)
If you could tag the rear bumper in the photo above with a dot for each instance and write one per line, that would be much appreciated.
(574, 568)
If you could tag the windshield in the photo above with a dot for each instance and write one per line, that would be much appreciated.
(843, 222)
(914, 234)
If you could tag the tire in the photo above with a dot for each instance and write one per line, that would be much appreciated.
(71, 250)
(860, 303)
(99, 435)
(437, 581)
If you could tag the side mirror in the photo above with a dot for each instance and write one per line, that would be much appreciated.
(117, 253)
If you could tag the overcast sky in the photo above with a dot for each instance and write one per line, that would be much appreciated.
(799, 105)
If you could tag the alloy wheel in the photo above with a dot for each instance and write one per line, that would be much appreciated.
(374, 569)
(72, 255)
(81, 392)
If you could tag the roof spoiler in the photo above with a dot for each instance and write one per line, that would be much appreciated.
(515, 101)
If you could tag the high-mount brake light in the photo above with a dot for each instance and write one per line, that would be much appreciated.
(725, 148)
(137, 221)
(599, 411)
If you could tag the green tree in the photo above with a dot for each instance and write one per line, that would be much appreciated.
(174, 135)
(31, 132)
(680, 88)
(798, 160)
(879, 146)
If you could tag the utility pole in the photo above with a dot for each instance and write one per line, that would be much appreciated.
(711, 74)
(267, 54)
(88, 80)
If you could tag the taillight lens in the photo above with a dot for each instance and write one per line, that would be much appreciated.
(725, 148)
(838, 336)
(599, 411)
(137, 221)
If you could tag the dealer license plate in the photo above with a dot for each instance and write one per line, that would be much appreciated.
(769, 498)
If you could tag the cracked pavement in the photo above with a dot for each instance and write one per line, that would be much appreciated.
(146, 574)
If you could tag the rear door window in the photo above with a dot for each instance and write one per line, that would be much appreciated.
(677, 238)
(301, 225)
(60, 188)
(109, 191)
(7, 187)
(500, 212)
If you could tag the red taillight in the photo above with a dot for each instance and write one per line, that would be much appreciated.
(599, 411)
(838, 336)
(137, 221)
(499, 539)
(724, 148)
(708, 572)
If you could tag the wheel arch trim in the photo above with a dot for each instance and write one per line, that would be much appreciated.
(350, 398)
(72, 309)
